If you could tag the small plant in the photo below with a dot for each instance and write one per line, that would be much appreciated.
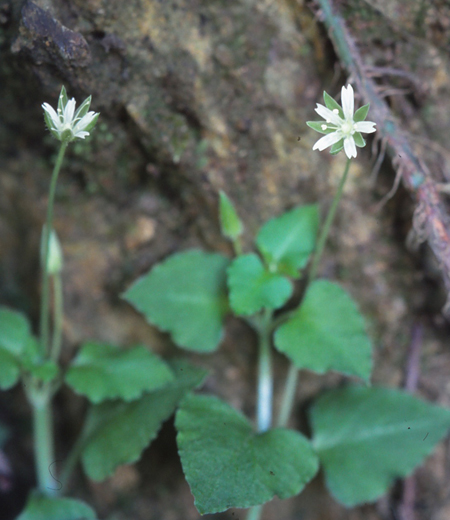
(228, 461)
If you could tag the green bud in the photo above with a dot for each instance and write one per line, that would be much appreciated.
(230, 223)
(55, 255)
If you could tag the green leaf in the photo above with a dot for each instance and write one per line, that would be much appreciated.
(185, 296)
(117, 432)
(318, 127)
(63, 99)
(286, 242)
(227, 465)
(33, 362)
(83, 109)
(367, 437)
(337, 147)
(9, 371)
(327, 333)
(253, 288)
(45, 508)
(230, 222)
(14, 331)
(359, 140)
(361, 113)
(102, 371)
(331, 104)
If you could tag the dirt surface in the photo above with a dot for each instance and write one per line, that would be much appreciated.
(197, 96)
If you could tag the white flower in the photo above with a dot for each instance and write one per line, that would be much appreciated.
(342, 127)
(65, 124)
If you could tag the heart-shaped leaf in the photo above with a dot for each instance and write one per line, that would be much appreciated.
(45, 508)
(102, 371)
(326, 333)
(117, 432)
(185, 296)
(286, 242)
(228, 465)
(367, 437)
(252, 287)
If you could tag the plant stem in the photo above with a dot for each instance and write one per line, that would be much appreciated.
(255, 513)
(288, 396)
(265, 376)
(327, 225)
(43, 445)
(58, 311)
(45, 292)
(292, 378)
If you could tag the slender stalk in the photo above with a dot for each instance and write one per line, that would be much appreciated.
(255, 513)
(71, 462)
(292, 378)
(327, 225)
(288, 396)
(58, 312)
(265, 376)
(45, 292)
(43, 445)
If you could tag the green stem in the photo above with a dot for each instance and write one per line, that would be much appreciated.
(255, 513)
(292, 378)
(326, 227)
(45, 293)
(288, 397)
(43, 444)
(71, 461)
(265, 376)
(58, 310)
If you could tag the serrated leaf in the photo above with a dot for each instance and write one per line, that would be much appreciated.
(367, 437)
(117, 432)
(14, 330)
(361, 113)
(9, 369)
(252, 287)
(286, 242)
(185, 296)
(228, 465)
(230, 223)
(327, 333)
(45, 508)
(102, 371)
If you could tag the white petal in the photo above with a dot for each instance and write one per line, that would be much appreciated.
(365, 126)
(80, 134)
(328, 115)
(348, 101)
(349, 147)
(69, 111)
(51, 112)
(84, 121)
(327, 140)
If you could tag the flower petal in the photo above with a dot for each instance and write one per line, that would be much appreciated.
(69, 111)
(52, 113)
(327, 140)
(349, 147)
(347, 100)
(328, 115)
(365, 126)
